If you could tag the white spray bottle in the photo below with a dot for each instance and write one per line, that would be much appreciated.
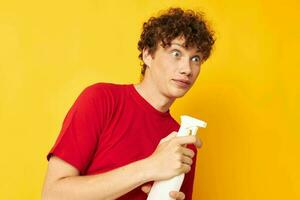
(160, 189)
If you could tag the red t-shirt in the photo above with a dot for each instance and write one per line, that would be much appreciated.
(110, 126)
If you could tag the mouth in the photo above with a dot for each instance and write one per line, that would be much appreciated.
(182, 83)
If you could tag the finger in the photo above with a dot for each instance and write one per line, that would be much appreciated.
(177, 195)
(191, 139)
(198, 143)
(169, 137)
(188, 152)
(186, 160)
(146, 188)
(185, 168)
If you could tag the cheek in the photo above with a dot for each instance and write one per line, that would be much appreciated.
(170, 66)
(196, 72)
(164, 67)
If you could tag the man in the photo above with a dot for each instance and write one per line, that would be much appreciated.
(115, 140)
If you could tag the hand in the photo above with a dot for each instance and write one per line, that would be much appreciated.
(174, 194)
(171, 157)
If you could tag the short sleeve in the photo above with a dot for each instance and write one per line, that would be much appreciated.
(79, 135)
(188, 182)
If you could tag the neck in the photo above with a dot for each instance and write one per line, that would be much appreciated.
(149, 92)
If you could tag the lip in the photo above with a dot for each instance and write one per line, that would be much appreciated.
(182, 82)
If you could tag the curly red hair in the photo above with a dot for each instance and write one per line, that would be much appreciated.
(173, 23)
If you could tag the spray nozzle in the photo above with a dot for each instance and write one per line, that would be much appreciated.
(190, 125)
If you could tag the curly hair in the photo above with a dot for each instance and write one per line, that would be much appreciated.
(173, 23)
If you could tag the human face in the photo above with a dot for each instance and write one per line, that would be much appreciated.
(173, 69)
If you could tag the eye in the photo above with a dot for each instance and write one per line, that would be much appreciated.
(176, 53)
(196, 59)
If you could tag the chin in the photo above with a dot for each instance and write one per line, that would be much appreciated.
(177, 93)
(177, 90)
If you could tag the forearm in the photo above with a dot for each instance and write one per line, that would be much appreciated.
(109, 185)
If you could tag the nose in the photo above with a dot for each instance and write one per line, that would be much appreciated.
(185, 67)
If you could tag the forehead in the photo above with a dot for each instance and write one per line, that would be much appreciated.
(179, 42)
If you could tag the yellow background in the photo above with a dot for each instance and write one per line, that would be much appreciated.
(248, 91)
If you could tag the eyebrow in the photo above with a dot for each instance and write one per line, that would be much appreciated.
(181, 45)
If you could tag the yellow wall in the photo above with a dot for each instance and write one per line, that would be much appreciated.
(248, 91)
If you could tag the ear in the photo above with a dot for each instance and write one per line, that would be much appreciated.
(147, 57)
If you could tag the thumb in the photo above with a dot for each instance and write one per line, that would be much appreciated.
(168, 137)
(146, 188)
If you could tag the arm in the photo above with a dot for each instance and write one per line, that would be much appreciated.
(169, 159)
(63, 181)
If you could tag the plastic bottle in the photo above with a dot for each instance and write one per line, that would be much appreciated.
(160, 189)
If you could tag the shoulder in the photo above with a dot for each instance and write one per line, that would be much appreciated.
(98, 87)
(174, 125)
(174, 122)
(102, 89)
(103, 96)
